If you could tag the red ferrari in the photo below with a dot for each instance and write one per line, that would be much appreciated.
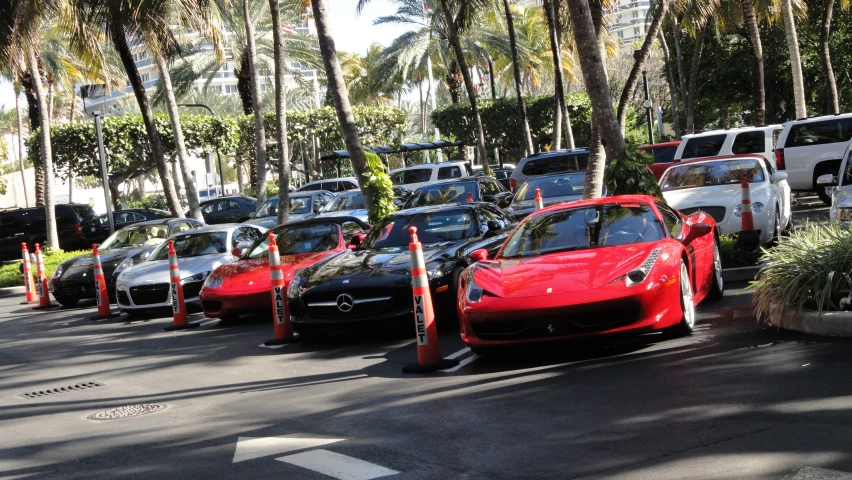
(243, 286)
(626, 264)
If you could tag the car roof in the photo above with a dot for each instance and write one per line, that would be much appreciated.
(600, 201)
(652, 146)
(222, 227)
(350, 193)
(307, 193)
(321, 221)
(430, 165)
(555, 153)
(720, 131)
(337, 179)
(817, 119)
(747, 156)
(557, 174)
(451, 180)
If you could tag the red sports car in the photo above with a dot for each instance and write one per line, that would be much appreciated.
(243, 286)
(625, 264)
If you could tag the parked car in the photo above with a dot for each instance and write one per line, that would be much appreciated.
(243, 286)
(401, 195)
(146, 285)
(664, 156)
(235, 209)
(76, 224)
(475, 189)
(614, 265)
(303, 205)
(124, 218)
(414, 176)
(841, 197)
(812, 147)
(543, 163)
(555, 188)
(349, 203)
(714, 186)
(73, 280)
(371, 286)
(500, 174)
(732, 141)
(330, 185)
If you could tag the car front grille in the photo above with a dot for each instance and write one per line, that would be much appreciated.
(123, 298)
(72, 289)
(718, 213)
(211, 305)
(150, 294)
(191, 290)
(366, 302)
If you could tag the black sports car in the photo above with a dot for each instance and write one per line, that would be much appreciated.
(74, 279)
(371, 285)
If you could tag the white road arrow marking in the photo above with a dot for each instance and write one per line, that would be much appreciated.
(249, 448)
(341, 467)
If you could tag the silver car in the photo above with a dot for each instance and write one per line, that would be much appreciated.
(839, 187)
(146, 285)
(303, 205)
(347, 204)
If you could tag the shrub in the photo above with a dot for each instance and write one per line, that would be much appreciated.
(379, 184)
(11, 276)
(631, 174)
(733, 256)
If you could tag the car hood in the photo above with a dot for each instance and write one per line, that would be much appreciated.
(721, 195)
(83, 266)
(562, 273)
(254, 273)
(157, 271)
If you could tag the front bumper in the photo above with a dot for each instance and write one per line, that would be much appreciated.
(219, 303)
(762, 221)
(153, 296)
(78, 288)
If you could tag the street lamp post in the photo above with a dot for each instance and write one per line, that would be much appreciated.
(648, 106)
(98, 91)
(218, 156)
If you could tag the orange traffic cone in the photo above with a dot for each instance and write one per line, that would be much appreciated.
(101, 295)
(176, 295)
(41, 282)
(539, 204)
(280, 313)
(428, 352)
(748, 237)
(28, 275)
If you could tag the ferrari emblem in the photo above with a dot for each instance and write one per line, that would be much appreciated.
(550, 328)
(549, 290)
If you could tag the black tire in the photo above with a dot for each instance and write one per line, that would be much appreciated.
(450, 314)
(777, 229)
(717, 287)
(687, 321)
(65, 301)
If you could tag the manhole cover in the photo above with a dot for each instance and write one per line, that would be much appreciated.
(127, 411)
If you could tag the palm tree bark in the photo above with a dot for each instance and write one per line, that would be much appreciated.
(795, 58)
(46, 153)
(639, 63)
(566, 118)
(750, 20)
(557, 74)
(832, 105)
(260, 129)
(453, 34)
(340, 98)
(597, 157)
(670, 78)
(597, 87)
(20, 121)
(180, 145)
(516, 70)
(700, 32)
(681, 68)
(119, 40)
(26, 79)
(281, 114)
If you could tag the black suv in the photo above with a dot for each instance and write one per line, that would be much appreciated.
(76, 223)
(235, 209)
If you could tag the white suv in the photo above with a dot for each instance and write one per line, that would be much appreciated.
(813, 147)
(331, 184)
(414, 176)
(733, 141)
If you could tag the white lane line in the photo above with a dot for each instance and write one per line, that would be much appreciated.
(459, 353)
(461, 364)
(273, 346)
(341, 467)
(208, 322)
(249, 448)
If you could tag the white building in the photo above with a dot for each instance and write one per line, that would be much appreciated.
(629, 20)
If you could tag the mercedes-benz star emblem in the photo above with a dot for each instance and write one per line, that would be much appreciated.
(345, 302)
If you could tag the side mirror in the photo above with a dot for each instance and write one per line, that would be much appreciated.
(697, 230)
(827, 180)
(479, 255)
(780, 177)
(237, 252)
(356, 240)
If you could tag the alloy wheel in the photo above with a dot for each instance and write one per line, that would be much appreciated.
(686, 297)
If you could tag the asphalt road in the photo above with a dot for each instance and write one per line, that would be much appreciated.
(731, 401)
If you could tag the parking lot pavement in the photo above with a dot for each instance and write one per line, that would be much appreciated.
(732, 400)
(809, 210)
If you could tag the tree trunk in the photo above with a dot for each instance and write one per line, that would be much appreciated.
(556, 142)
(180, 145)
(244, 83)
(260, 129)
(566, 118)
(468, 83)
(597, 157)
(724, 117)
(681, 69)
(46, 153)
(20, 121)
(750, 21)
(795, 58)
(340, 98)
(240, 182)
(70, 185)
(832, 100)
(597, 87)
(670, 78)
(516, 71)
(281, 114)
(639, 63)
(35, 123)
(49, 102)
(693, 77)
(453, 82)
(176, 179)
(119, 40)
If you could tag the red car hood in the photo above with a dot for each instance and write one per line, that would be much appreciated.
(562, 273)
(246, 275)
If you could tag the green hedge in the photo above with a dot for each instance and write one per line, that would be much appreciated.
(10, 274)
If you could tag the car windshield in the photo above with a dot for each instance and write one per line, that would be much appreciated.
(440, 194)
(583, 228)
(292, 241)
(298, 206)
(556, 186)
(135, 236)
(346, 202)
(711, 174)
(432, 227)
(194, 245)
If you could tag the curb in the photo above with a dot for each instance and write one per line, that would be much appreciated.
(831, 324)
(740, 274)
(12, 292)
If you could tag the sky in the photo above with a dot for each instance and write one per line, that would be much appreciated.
(351, 33)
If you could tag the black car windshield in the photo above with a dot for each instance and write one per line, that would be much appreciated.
(346, 202)
(441, 194)
(555, 186)
(711, 174)
(584, 227)
(292, 241)
(432, 227)
(298, 206)
(135, 236)
(194, 245)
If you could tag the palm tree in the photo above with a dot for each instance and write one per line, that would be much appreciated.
(260, 129)
(281, 114)
(692, 89)
(664, 46)
(832, 100)
(516, 71)
(795, 57)
(557, 73)
(750, 20)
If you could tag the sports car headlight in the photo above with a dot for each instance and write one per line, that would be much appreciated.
(121, 266)
(439, 271)
(213, 281)
(295, 290)
(756, 207)
(844, 213)
(639, 274)
(57, 272)
(198, 277)
(473, 292)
